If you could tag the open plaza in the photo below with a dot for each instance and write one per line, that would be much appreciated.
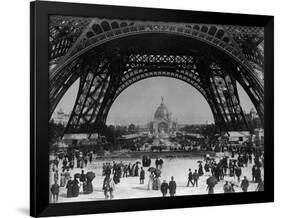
(130, 187)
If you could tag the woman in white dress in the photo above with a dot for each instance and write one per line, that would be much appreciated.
(150, 181)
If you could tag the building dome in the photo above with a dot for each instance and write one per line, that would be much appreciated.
(162, 112)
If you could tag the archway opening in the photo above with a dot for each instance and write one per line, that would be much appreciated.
(137, 103)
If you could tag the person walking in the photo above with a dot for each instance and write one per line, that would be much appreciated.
(254, 173)
(90, 157)
(62, 180)
(125, 170)
(210, 188)
(195, 177)
(142, 176)
(160, 163)
(71, 163)
(250, 158)
(172, 187)
(111, 188)
(157, 163)
(260, 186)
(69, 188)
(245, 184)
(200, 169)
(232, 184)
(55, 189)
(136, 170)
(190, 178)
(106, 187)
(238, 172)
(64, 163)
(67, 175)
(75, 188)
(150, 181)
(227, 187)
(258, 175)
(56, 176)
(82, 182)
(164, 188)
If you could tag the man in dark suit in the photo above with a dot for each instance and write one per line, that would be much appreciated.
(172, 187)
(55, 189)
(164, 188)
(190, 178)
(245, 184)
(142, 176)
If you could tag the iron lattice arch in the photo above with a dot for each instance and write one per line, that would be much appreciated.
(110, 55)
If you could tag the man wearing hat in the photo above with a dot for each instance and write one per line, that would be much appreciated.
(245, 184)
(164, 188)
(172, 187)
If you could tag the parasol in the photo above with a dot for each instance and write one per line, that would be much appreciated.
(151, 169)
(60, 155)
(157, 173)
(212, 181)
(77, 175)
(138, 162)
(199, 161)
(144, 157)
(90, 176)
(108, 167)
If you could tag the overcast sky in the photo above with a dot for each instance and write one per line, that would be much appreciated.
(138, 102)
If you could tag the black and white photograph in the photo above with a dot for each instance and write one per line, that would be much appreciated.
(149, 109)
(120, 108)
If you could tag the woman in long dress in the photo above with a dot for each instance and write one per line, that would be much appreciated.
(150, 181)
(62, 180)
(69, 188)
(75, 188)
(111, 188)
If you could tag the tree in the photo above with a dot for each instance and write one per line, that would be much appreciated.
(56, 132)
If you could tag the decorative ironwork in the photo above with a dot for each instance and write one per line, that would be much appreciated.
(105, 73)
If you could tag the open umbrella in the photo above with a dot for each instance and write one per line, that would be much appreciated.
(77, 175)
(138, 162)
(151, 169)
(90, 176)
(144, 157)
(108, 167)
(157, 173)
(212, 181)
(60, 155)
(199, 161)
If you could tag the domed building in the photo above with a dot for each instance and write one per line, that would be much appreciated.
(162, 122)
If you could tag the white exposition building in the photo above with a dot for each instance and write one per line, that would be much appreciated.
(162, 122)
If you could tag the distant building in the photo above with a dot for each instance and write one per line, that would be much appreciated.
(162, 123)
(258, 137)
(237, 137)
(253, 119)
(60, 117)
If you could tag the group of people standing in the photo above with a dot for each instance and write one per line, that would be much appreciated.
(171, 187)
(80, 183)
(114, 171)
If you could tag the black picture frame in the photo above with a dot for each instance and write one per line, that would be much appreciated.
(39, 149)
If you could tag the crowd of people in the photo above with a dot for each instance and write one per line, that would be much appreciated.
(79, 183)
(227, 169)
